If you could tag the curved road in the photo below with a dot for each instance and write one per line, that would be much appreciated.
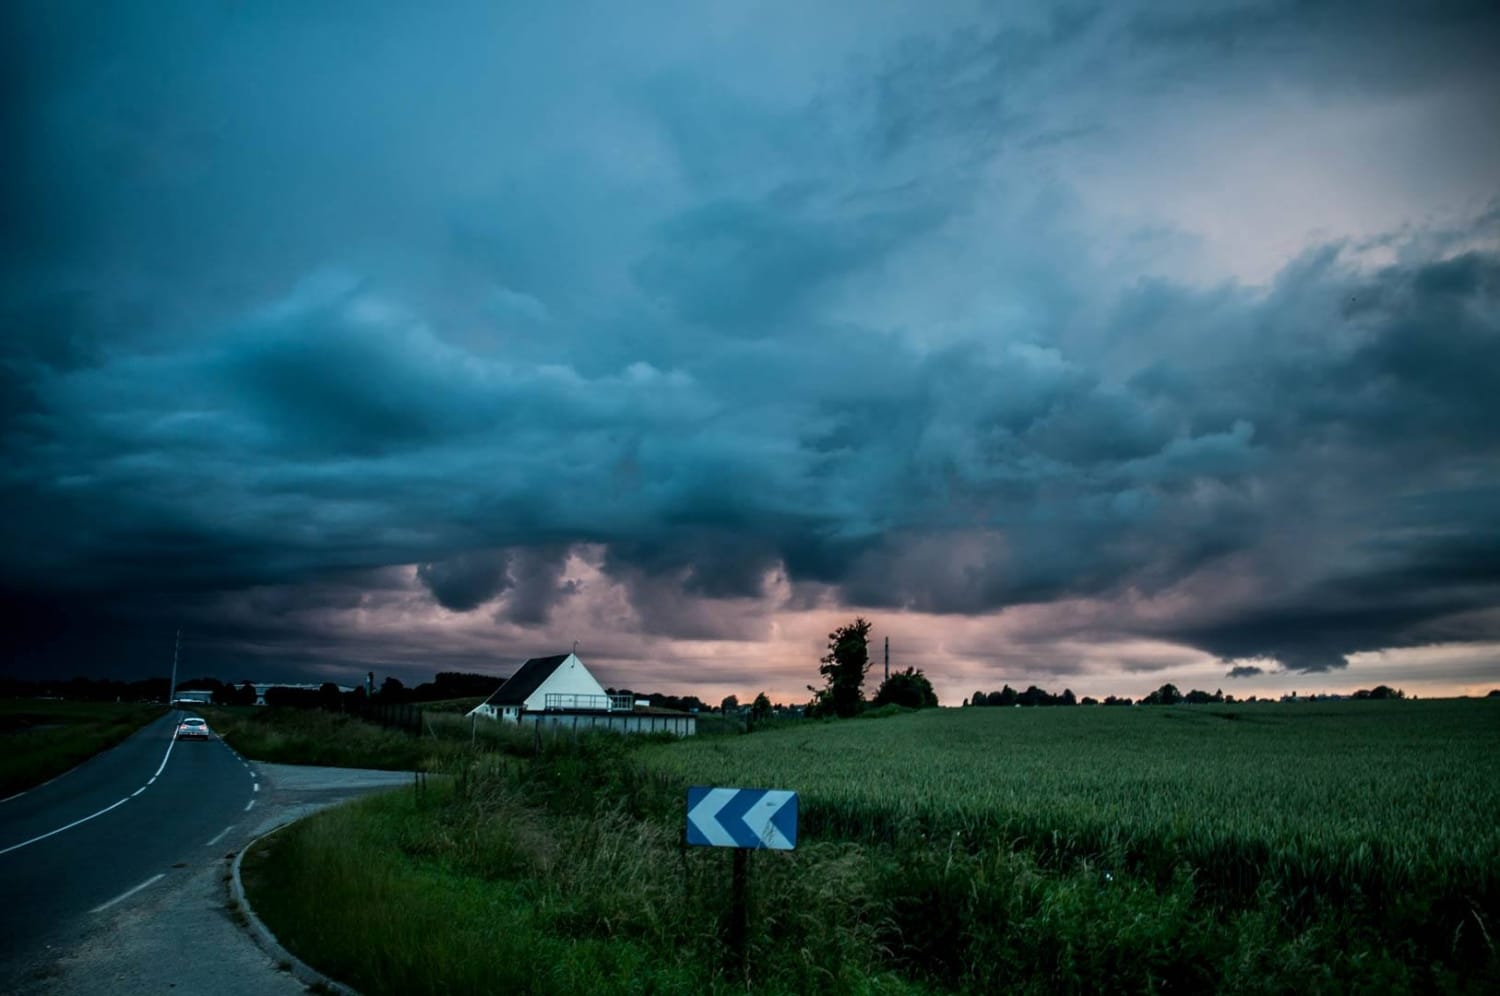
(150, 804)
(111, 875)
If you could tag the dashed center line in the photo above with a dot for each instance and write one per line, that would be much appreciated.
(249, 804)
(219, 836)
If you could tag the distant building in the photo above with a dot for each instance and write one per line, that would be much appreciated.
(193, 697)
(560, 692)
(262, 686)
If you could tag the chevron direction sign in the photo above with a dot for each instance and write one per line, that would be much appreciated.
(731, 817)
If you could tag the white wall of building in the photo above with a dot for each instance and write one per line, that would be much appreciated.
(620, 722)
(570, 678)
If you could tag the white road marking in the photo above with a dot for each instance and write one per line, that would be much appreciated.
(114, 805)
(49, 833)
(219, 836)
(171, 742)
(247, 809)
(129, 892)
(255, 787)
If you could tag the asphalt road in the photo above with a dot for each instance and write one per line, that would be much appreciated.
(147, 808)
(112, 876)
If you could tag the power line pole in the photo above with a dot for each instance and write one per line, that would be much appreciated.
(176, 646)
(887, 658)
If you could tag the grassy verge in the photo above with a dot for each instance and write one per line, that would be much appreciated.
(960, 852)
(40, 739)
(312, 736)
(516, 877)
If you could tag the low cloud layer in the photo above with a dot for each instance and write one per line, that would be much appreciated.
(741, 324)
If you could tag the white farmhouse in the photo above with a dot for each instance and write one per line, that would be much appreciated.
(558, 692)
(556, 683)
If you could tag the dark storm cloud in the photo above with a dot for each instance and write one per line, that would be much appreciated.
(467, 580)
(537, 576)
(278, 322)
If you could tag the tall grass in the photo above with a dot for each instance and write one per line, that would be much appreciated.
(40, 739)
(473, 888)
(312, 736)
(1263, 849)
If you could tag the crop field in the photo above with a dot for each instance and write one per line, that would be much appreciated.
(1384, 813)
(1407, 791)
(1339, 847)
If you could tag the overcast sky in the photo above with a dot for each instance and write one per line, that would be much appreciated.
(1091, 349)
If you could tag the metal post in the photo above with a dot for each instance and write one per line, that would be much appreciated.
(739, 915)
(887, 658)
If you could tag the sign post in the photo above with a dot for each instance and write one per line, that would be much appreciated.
(746, 820)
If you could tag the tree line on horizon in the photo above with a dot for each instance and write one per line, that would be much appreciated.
(1167, 695)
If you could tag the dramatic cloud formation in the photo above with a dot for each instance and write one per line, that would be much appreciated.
(1084, 346)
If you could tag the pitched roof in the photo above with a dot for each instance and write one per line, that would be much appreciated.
(527, 680)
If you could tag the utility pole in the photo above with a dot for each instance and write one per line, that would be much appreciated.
(887, 658)
(176, 646)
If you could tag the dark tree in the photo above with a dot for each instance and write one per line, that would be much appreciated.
(843, 668)
(454, 685)
(1034, 696)
(761, 708)
(908, 688)
(1165, 695)
(730, 704)
(329, 697)
(1006, 696)
(281, 696)
(1067, 698)
(392, 690)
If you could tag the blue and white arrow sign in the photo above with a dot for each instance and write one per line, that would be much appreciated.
(730, 817)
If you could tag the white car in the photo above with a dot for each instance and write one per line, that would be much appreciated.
(193, 728)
